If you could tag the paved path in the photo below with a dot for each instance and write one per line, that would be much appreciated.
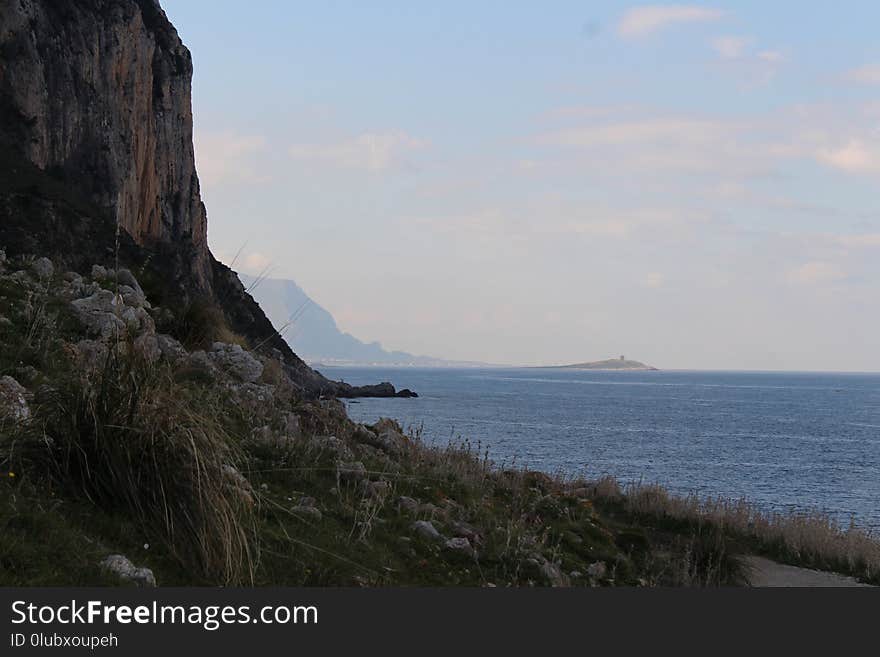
(769, 573)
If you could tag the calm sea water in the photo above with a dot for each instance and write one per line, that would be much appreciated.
(783, 440)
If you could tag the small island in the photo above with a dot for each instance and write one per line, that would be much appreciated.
(616, 364)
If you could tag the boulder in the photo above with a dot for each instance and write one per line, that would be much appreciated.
(171, 349)
(407, 505)
(307, 512)
(377, 490)
(463, 530)
(98, 314)
(125, 278)
(91, 355)
(386, 435)
(13, 404)
(240, 483)
(426, 529)
(132, 297)
(234, 360)
(460, 545)
(350, 471)
(335, 446)
(127, 571)
(147, 347)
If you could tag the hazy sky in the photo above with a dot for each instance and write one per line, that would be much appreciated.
(694, 186)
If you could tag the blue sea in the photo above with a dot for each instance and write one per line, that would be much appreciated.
(787, 441)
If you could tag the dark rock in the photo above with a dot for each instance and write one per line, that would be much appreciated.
(426, 529)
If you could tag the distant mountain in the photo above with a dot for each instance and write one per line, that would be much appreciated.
(312, 333)
(610, 364)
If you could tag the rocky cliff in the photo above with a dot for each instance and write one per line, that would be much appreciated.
(98, 92)
(96, 158)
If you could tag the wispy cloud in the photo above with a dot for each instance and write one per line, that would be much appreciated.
(866, 240)
(813, 273)
(639, 131)
(654, 280)
(855, 156)
(869, 74)
(730, 47)
(227, 158)
(642, 21)
(372, 151)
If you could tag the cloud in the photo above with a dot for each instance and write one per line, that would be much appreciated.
(549, 219)
(869, 74)
(738, 52)
(639, 131)
(662, 146)
(654, 280)
(812, 273)
(730, 47)
(771, 56)
(374, 152)
(854, 157)
(866, 240)
(642, 21)
(227, 157)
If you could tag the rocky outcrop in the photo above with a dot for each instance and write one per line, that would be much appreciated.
(98, 91)
(97, 166)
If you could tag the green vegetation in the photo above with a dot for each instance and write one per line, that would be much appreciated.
(208, 479)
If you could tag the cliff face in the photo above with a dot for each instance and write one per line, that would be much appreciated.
(98, 92)
(96, 136)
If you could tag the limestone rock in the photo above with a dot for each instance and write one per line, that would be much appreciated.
(171, 349)
(377, 490)
(147, 347)
(91, 355)
(234, 360)
(98, 314)
(13, 404)
(426, 529)
(106, 89)
(307, 512)
(407, 505)
(334, 445)
(240, 483)
(132, 297)
(352, 471)
(120, 566)
(460, 545)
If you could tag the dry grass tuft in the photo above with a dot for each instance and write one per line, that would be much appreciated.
(808, 538)
(135, 441)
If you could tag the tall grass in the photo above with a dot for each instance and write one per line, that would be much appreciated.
(135, 441)
(808, 538)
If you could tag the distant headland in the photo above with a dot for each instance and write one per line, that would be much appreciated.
(610, 364)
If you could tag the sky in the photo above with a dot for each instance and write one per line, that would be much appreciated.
(690, 185)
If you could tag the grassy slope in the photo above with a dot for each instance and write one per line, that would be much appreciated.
(133, 459)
